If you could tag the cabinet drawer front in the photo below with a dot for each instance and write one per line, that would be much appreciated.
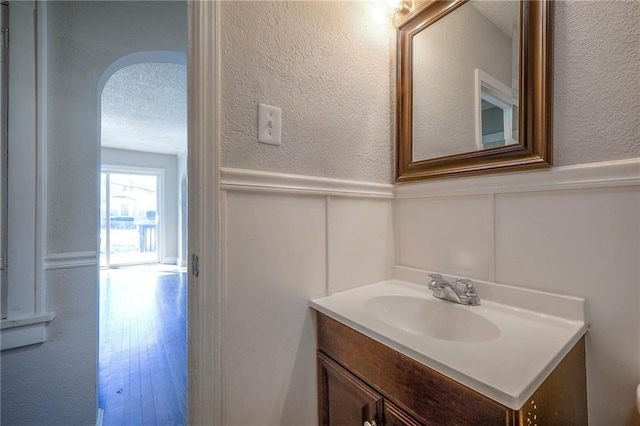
(425, 394)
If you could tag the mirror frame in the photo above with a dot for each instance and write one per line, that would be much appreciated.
(535, 121)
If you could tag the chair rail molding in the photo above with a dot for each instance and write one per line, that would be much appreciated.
(593, 175)
(261, 181)
(70, 260)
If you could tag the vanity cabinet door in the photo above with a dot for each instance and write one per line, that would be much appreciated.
(344, 400)
(393, 416)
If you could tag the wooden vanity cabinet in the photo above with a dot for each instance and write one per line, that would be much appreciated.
(347, 400)
(361, 380)
(344, 399)
(394, 416)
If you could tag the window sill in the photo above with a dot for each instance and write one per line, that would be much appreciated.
(24, 331)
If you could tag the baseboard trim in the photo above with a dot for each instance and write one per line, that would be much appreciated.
(583, 176)
(100, 417)
(252, 180)
(70, 260)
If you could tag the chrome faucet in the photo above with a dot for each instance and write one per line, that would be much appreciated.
(461, 291)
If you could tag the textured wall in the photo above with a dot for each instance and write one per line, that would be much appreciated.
(444, 80)
(328, 66)
(85, 38)
(168, 163)
(597, 81)
(55, 382)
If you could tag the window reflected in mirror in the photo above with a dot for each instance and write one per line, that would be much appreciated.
(496, 107)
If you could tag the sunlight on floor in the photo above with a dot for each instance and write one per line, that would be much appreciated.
(143, 355)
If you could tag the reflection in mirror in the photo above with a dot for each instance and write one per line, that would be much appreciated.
(474, 88)
(465, 80)
(494, 116)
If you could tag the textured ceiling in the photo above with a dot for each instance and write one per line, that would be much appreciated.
(504, 14)
(144, 108)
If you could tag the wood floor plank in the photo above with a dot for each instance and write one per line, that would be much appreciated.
(143, 357)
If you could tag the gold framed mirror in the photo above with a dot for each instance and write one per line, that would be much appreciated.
(473, 99)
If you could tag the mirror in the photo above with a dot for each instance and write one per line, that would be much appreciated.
(474, 88)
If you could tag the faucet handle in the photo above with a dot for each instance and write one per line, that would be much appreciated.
(436, 281)
(467, 286)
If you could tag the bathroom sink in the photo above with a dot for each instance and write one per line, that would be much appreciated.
(434, 318)
(504, 348)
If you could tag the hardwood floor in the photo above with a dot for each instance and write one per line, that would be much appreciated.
(142, 376)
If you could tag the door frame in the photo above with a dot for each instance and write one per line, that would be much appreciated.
(205, 313)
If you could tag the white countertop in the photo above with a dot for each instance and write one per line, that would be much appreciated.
(507, 369)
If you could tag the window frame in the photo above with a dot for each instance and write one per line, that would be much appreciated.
(27, 315)
(488, 88)
(161, 202)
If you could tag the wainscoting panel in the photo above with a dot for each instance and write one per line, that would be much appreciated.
(554, 240)
(275, 263)
(287, 239)
(448, 234)
(583, 243)
(360, 238)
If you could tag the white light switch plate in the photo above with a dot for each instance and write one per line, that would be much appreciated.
(269, 124)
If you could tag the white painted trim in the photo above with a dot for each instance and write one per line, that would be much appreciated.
(224, 313)
(70, 260)
(21, 209)
(395, 234)
(100, 417)
(328, 221)
(491, 240)
(21, 322)
(583, 176)
(122, 168)
(29, 330)
(42, 60)
(252, 180)
(501, 96)
(205, 392)
(26, 331)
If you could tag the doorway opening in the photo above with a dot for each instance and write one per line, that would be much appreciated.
(142, 377)
(128, 218)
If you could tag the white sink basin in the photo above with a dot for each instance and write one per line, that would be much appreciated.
(504, 351)
(435, 318)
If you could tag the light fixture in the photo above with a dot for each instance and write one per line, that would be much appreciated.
(401, 9)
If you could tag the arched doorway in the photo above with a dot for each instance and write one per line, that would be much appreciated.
(143, 288)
